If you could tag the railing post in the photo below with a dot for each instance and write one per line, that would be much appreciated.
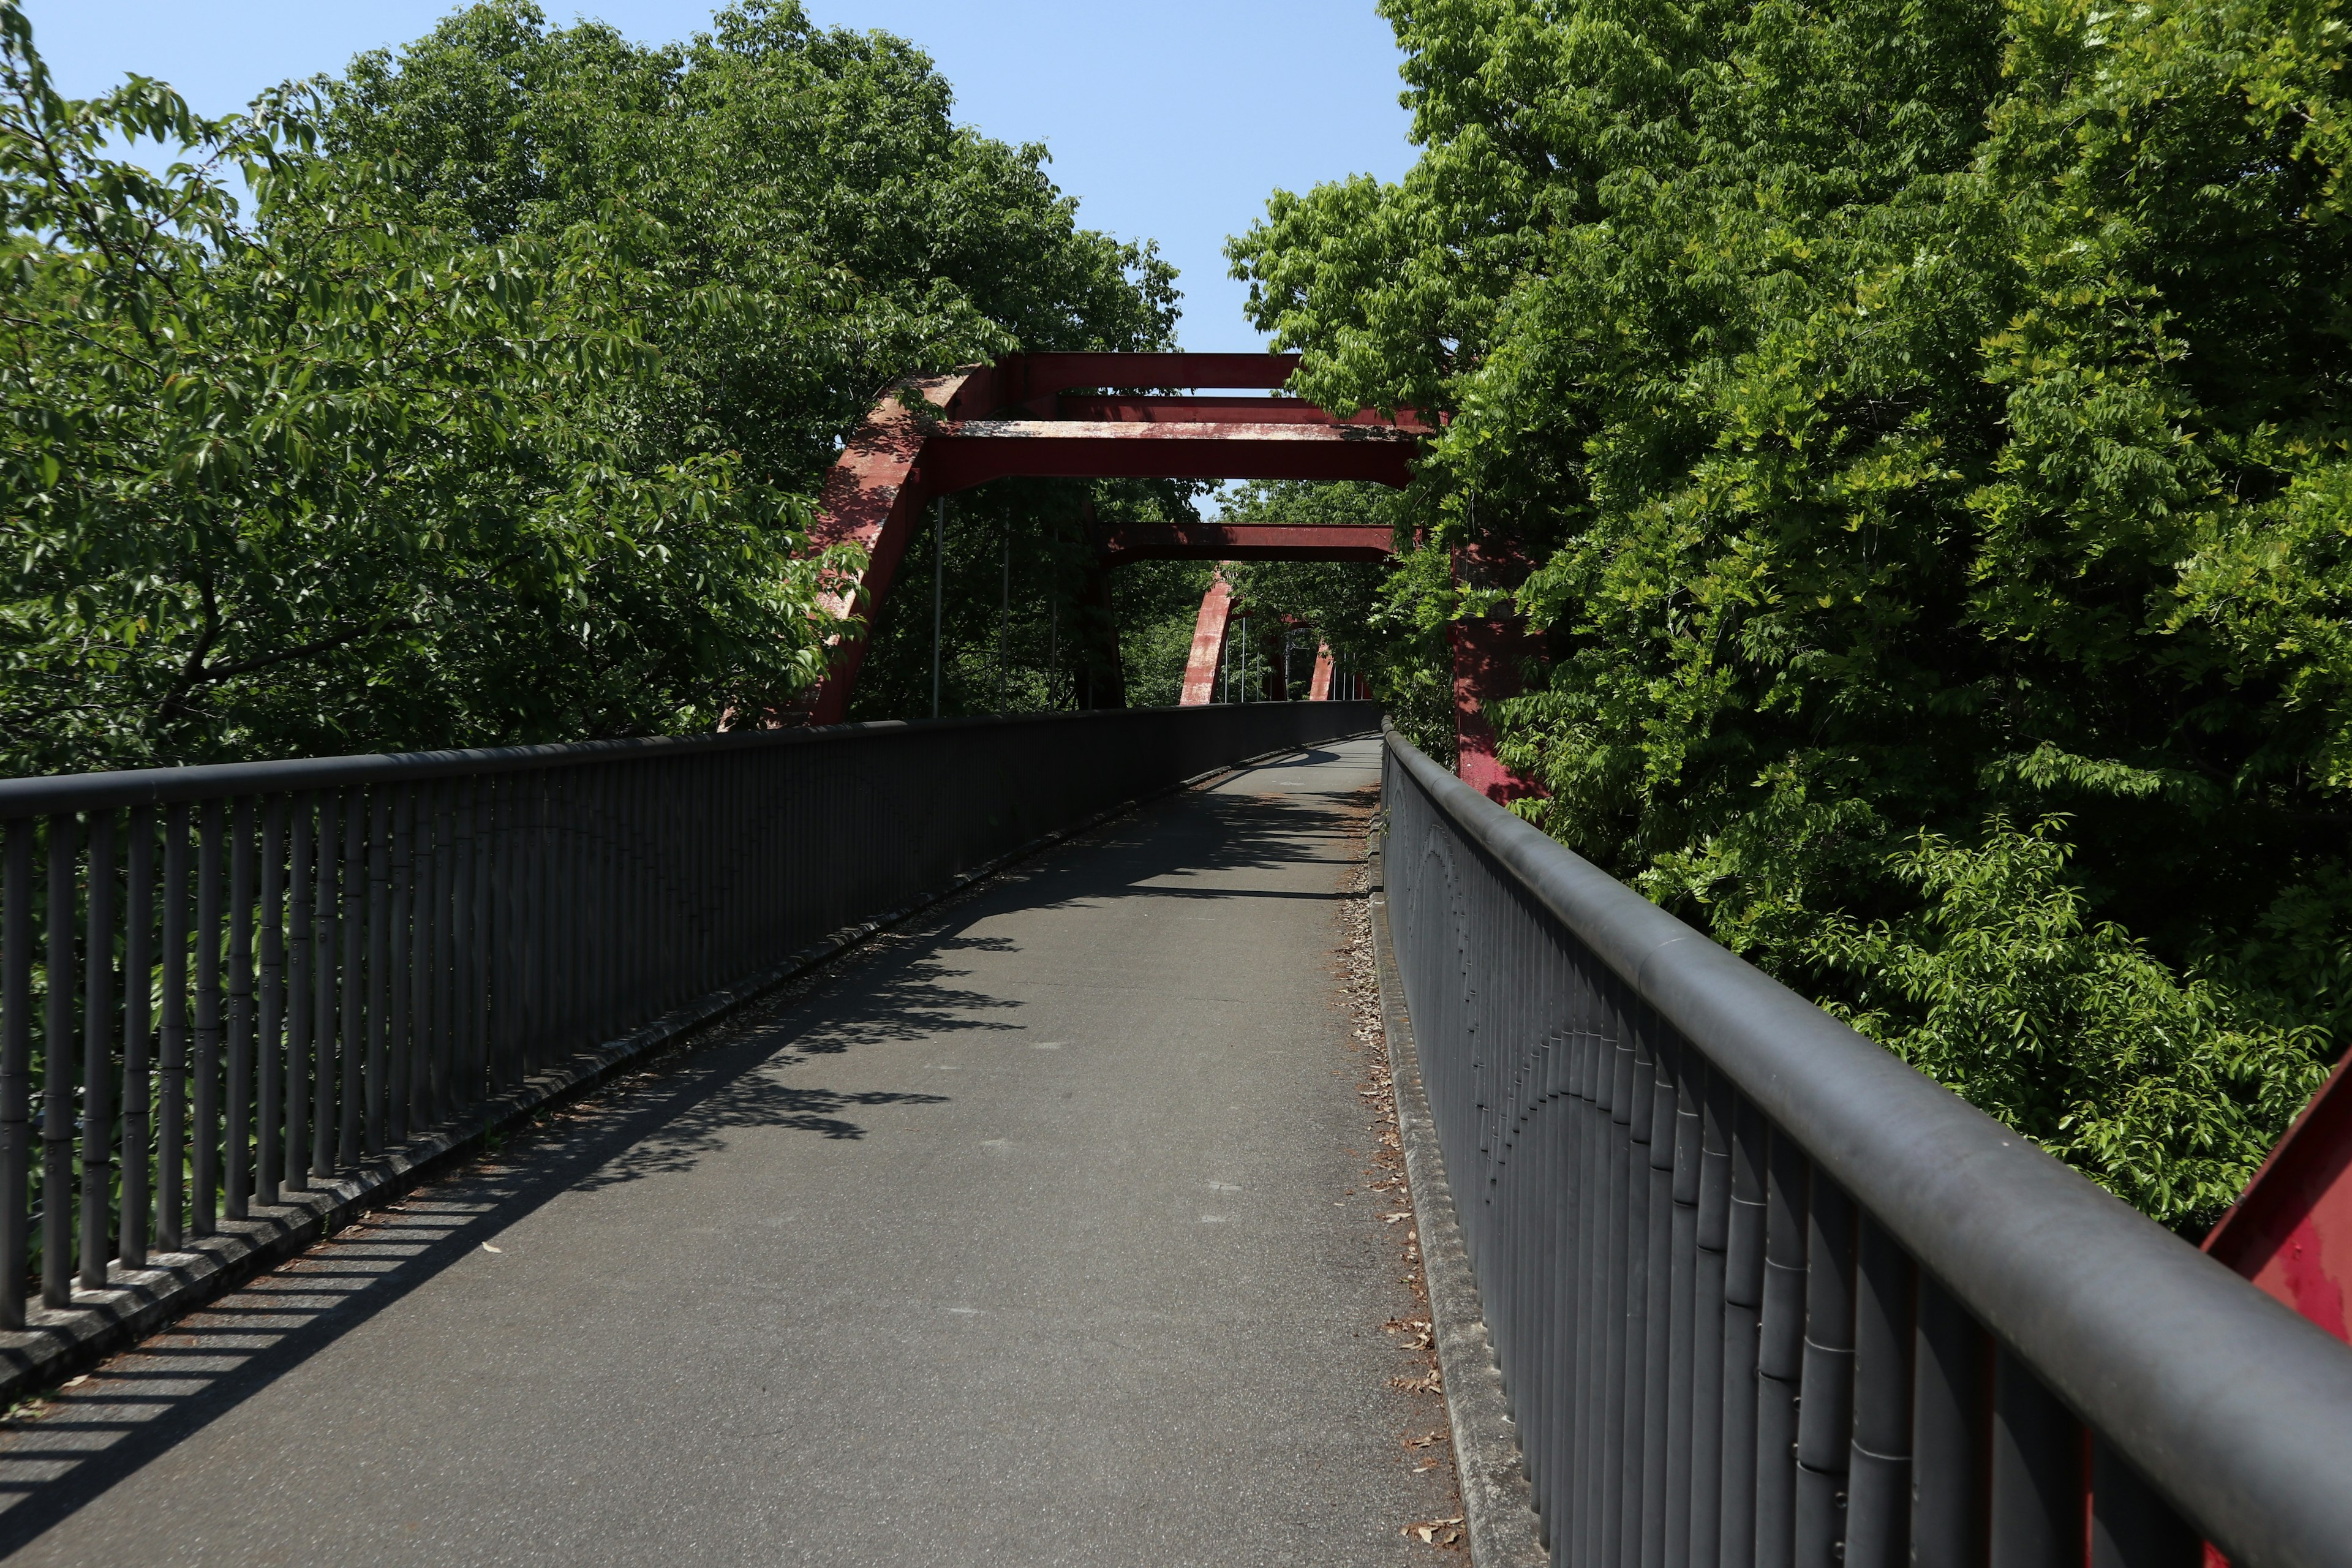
(236, 1141)
(137, 1027)
(97, 1053)
(302, 987)
(269, 1138)
(172, 1132)
(1877, 1533)
(56, 1071)
(15, 1068)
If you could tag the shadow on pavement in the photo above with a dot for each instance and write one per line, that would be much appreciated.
(661, 1121)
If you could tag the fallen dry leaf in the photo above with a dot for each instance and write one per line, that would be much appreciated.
(1393, 1218)
(1435, 1531)
(1436, 1435)
(1429, 1382)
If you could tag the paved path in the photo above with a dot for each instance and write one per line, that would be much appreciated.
(1040, 1235)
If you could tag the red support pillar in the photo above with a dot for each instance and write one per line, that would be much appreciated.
(1208, 645)
(1489, 655)
(1320, 689)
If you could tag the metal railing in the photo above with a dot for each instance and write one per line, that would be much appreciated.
(1762, 1294)
(229, 983)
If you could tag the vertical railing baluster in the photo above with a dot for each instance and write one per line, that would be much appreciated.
(1599, 1057)
(326, 942)
(238, 1164)
(1743, 1304)
(1825, 1398)
(269, 1050)
(15, 1068)
(465, 1082)
(97, 1053)
(302, 985)
(379, 965)
(445, 1077)
(171, 1041)
(2036, 1512)
(57, 1070)
(499, 917)
(424, 987)
(402, 979)
(1948, 1434)
(2131, 1524)
(1707, 1328)
(1618, 1436)
(1877, 1515)
(480, 805)
(1657, 1309)
(204, 1131)
(1683, 1291)
(350, 1049)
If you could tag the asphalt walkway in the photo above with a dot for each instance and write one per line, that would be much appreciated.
(1039, 1233)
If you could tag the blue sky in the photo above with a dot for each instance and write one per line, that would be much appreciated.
(1168, 121)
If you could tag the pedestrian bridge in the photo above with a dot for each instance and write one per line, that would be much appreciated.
(974, 1142)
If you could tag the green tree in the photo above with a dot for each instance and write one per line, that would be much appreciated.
(498, 418)
(806, 188)
(335, 479)
(1915, 417)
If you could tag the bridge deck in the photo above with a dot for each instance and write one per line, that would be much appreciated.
(1040, 1235)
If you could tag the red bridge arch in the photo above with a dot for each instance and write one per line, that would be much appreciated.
(1118, 415)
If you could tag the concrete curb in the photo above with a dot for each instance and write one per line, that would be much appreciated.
(1498, 1507)
(55, 1342)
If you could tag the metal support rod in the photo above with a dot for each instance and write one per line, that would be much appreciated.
(137, 1027)
(1004, 624)
(269, 1050)
(172, 1037)
(15, 1066)
(236, 1169)
(57, 1072)
(98, 1050)
(204, 1130)
(938, 590)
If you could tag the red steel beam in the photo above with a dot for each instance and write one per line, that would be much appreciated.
(1240, 541)
(973, 452)
(1132, 408)
(1320, 689)
(1044, 375)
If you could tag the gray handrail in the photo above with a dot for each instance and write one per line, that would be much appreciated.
(46, 795)
(2235, 1408)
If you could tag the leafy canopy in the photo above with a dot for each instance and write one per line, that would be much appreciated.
(1911, 419)
(497, 418)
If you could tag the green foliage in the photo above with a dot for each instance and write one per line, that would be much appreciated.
(1912, 415)
(2067, 1030)
(497, 419)
(1157, 604)
(338, 480)
(804, 190)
